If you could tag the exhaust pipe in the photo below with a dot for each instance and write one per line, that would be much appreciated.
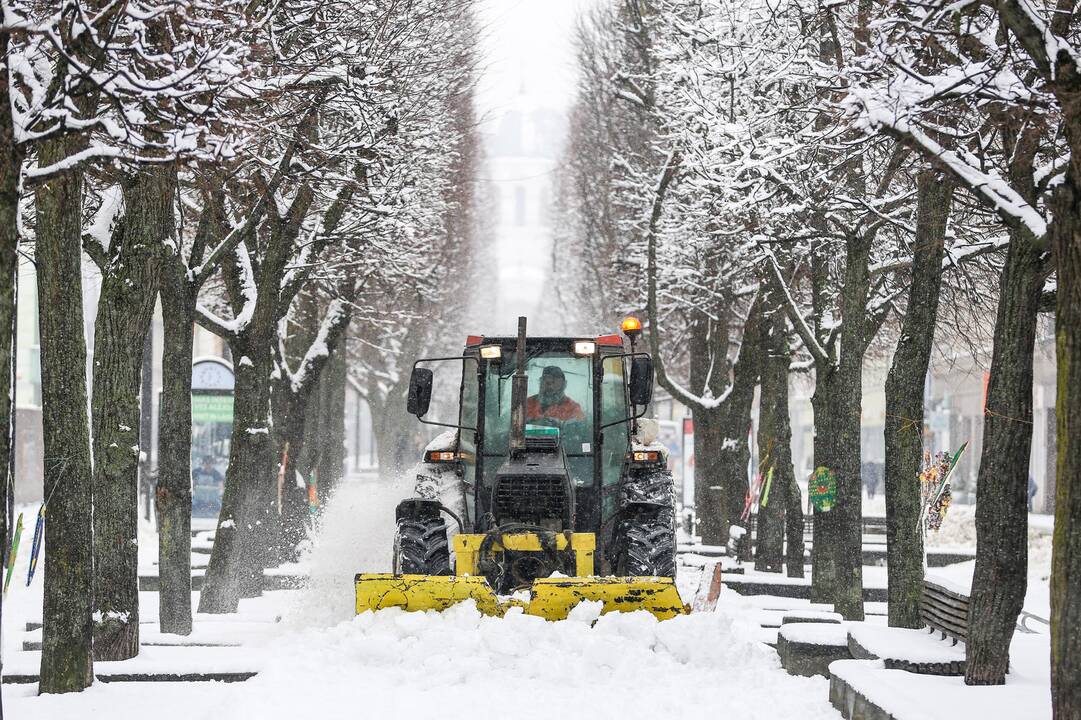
(518, 394)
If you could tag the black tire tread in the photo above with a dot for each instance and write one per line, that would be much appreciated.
(648, 546)
(422, 547)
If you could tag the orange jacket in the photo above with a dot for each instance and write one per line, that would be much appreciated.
(565, 409)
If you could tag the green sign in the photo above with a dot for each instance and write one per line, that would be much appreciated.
(212, 408)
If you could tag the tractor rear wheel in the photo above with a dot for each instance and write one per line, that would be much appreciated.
(421, 547)
(647, 546)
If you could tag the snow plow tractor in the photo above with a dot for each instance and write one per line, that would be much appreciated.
(548, 491)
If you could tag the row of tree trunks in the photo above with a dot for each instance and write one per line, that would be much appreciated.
(125, 308)
(67, 636)
(904, 402)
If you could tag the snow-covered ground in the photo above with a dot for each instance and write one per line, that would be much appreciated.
(315, 659)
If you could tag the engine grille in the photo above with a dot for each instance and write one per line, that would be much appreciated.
(530, 498)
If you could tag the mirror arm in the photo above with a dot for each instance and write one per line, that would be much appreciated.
(432, 422)
(645, 408)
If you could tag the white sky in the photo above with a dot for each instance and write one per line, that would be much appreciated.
(527, 65)
(527, 41)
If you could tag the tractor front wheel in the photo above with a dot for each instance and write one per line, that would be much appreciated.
(421, 547)
(646, 545)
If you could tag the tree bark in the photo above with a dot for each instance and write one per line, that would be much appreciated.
(904, 402)
(125, 307)
(721, 450)
(1000, 578)
(173, 494)
(67, 636)
(794, 527)
(236, 561)
(332, 411)
(10, 169)
(1066, 555)
(824, 532)
(774, 445)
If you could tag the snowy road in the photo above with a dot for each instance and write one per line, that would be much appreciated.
(320, 662)
(452, 664)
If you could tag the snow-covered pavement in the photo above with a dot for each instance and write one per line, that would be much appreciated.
(315, 659)
(452, 664)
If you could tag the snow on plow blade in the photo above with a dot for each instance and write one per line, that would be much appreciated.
(550, 598)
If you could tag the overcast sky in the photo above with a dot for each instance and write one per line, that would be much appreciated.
(527, 43)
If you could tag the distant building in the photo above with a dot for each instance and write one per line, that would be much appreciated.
(522, 156)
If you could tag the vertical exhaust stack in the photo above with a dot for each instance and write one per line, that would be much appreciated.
(518, 393)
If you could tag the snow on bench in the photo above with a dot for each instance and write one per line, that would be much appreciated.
(916, 651)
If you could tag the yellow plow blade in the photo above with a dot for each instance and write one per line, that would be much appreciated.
(378, 591)
(554, 598)
(551, 598)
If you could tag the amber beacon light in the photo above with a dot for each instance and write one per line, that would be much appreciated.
(632, 327)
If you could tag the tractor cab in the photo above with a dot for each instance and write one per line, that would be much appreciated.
(578, 415)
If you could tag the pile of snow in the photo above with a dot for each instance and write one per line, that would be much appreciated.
(460, 663)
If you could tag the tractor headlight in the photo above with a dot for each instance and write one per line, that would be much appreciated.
(491, 352)
(438, 456)
(585, 347)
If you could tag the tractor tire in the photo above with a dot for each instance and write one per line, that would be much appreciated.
(421, 547)
(647, 546)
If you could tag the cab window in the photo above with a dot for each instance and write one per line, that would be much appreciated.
(560, 396)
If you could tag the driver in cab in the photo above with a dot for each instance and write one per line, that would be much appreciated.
(551, 402)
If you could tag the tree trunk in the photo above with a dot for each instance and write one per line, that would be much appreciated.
(173, 494)
(721, 450)
(904, 403)
(10, 170)
(67, 637)
(824, 538)
(712, 512)
(125, 307)
(774, 446)
(333, 385)
(236, 562)
(999, 581)
(794, 526)
(1066, 557)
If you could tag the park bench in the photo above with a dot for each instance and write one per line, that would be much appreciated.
(944, 611)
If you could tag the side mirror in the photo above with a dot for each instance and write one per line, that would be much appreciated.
(641, 379)
(420, 391)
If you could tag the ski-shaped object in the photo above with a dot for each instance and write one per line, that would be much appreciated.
(35, 550)
(14, 551)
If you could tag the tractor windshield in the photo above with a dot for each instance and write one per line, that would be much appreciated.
(560, 396)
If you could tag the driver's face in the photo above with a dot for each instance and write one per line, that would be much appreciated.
(551, 385)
